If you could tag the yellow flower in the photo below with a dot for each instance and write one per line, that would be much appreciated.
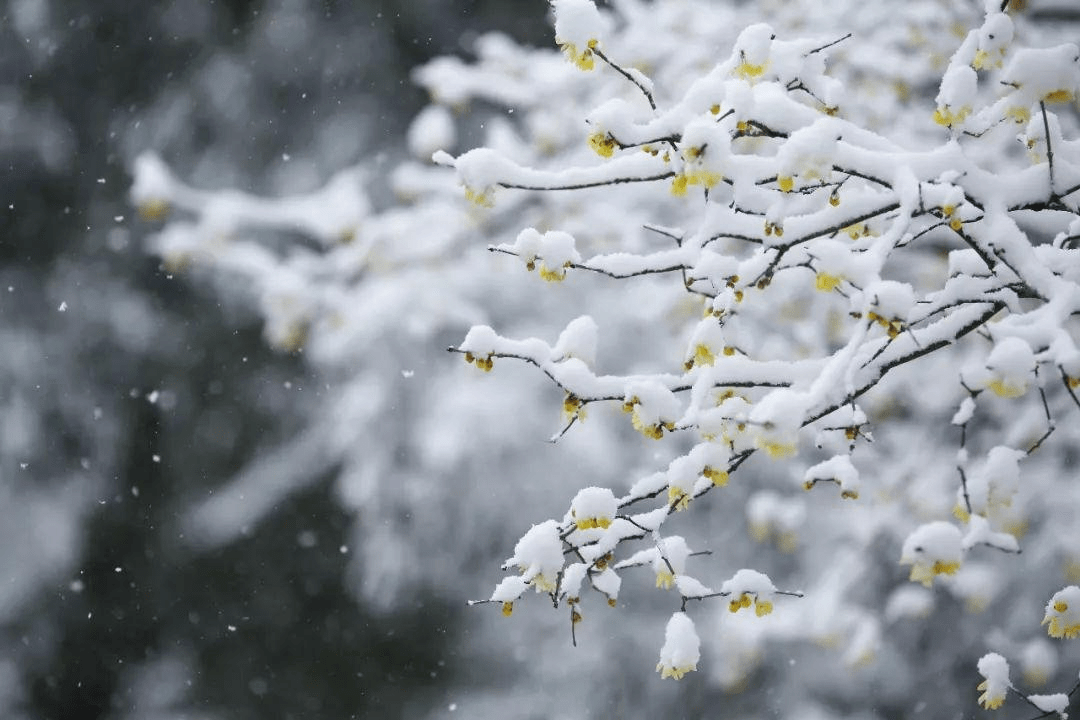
(737, 604)
(705, 178)
(679, 499)
(1003, 388)
(602, 144)
(826, 282)
(948, 117)
(925, 573)
(594, 522)
(507, 609)
(654, 431)
(776, 449)
(678, 185)
(995, 685)
(1063, 614)
(988, 700)
(786, 183)
(484, 198)
(553, 275)
(484, 363)
(543, 583)
(675, 673)
(719, 477)
(703, 355)
(664, 579)
(582, 58)
(1018, 113)
(855, 231)
(681, 650)
(748, 71)
(573, 407)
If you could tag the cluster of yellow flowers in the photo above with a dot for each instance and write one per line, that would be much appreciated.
(761, 607)
(484, 363)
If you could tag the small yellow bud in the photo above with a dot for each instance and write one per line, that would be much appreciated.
(508, 608)
(834, 199)
(786, 183)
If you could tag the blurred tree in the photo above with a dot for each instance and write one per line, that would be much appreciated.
(127, 395)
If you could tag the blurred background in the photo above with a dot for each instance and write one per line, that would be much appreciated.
(127, 395)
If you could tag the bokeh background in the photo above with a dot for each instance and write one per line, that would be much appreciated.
(126, 394)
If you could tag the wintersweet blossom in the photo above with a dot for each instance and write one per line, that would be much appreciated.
(776, 420)
(1063, 613)
(995, 669)
(509, 590)
(539, 556)
(681, 650)
(578, 27)
(994, 38)
(669, 560)
(1011, 365)
(706, 343)
(752, 48)
(603, 144)
(593, 507)
(933, 549)
(652, 407)
(749, 587)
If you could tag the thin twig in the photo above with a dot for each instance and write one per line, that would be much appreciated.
(619, 69)
(1049, 148)
(835, 42)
